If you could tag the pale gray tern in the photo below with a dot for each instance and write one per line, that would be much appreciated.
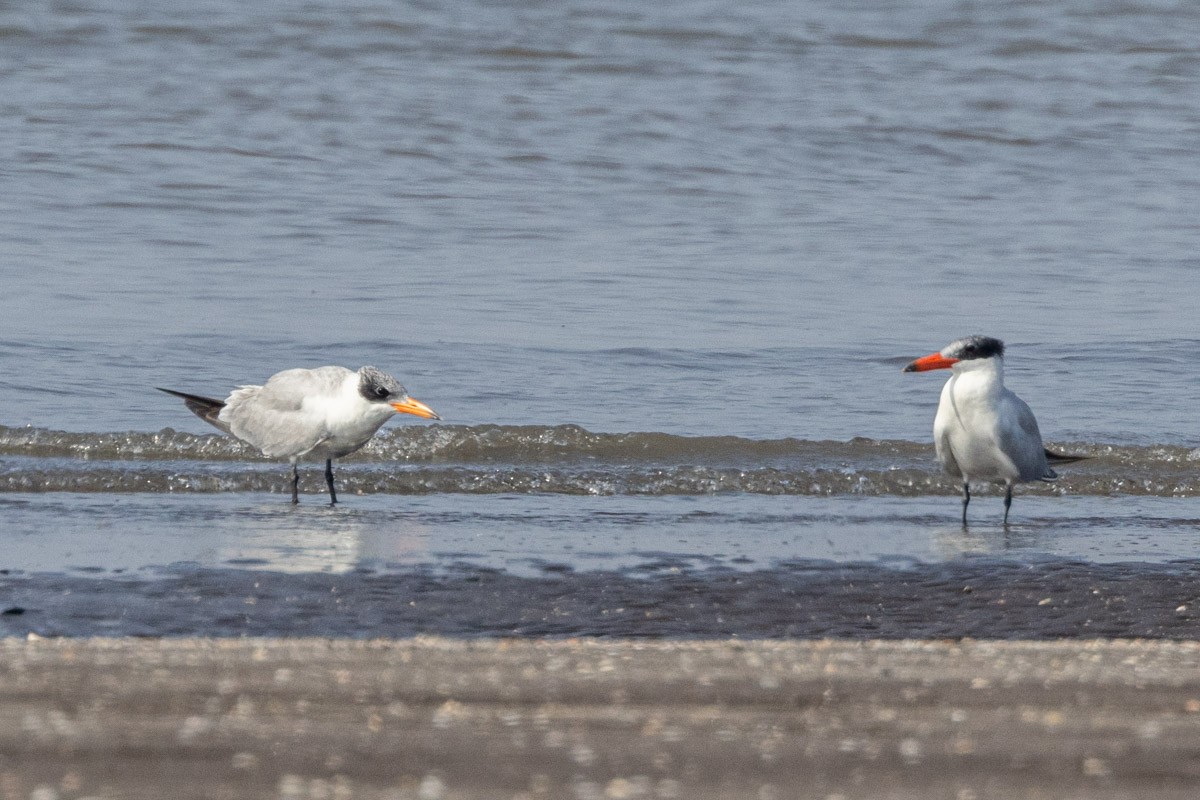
(309, 414)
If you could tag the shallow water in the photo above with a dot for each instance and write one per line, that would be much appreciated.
(657, 267)
(540, 534)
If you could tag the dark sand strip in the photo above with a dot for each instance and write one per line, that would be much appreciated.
(971, 598)
(435, 718)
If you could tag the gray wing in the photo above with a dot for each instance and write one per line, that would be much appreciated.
(273, 418)
(1023, 442)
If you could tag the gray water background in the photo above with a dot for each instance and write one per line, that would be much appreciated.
(688, 219)
(730, 216)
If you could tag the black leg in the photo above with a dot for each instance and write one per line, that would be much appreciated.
(295, 485)
(1007, 501)
(966, 500)
(329, 480)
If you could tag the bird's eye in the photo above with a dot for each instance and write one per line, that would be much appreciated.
(381, 392)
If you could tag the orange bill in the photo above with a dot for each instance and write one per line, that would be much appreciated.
(931, 361)
(415, 407)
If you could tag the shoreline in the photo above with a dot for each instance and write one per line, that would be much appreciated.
(435, 717)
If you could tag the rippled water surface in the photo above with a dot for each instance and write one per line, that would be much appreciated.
(658, 267)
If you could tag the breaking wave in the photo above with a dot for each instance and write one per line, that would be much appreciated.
(563, 459)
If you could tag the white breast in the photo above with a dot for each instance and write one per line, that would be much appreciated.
(969, 430)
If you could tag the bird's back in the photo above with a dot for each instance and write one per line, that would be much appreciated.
(283, 417)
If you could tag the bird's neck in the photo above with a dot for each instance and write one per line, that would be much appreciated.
(982, 376)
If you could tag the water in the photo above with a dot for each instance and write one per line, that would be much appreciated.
(658, 268)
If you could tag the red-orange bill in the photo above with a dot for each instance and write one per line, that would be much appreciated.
(931, 361)
(415, 407)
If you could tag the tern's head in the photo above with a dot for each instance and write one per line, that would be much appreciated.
(376, 386)
(965, 353)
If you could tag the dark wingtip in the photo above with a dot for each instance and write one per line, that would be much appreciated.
(206, 408)
(207, 401)
(1062, 458)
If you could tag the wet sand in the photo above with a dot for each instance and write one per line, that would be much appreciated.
(666, 598)
(442, 718)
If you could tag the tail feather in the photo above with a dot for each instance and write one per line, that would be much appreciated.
(206, 408)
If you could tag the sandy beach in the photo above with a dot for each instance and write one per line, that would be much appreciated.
(431, 718)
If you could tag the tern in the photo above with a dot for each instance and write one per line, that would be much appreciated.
(309, 414)
(982, 431)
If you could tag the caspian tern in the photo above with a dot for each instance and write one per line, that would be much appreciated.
(309, 414)
(982, 431)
